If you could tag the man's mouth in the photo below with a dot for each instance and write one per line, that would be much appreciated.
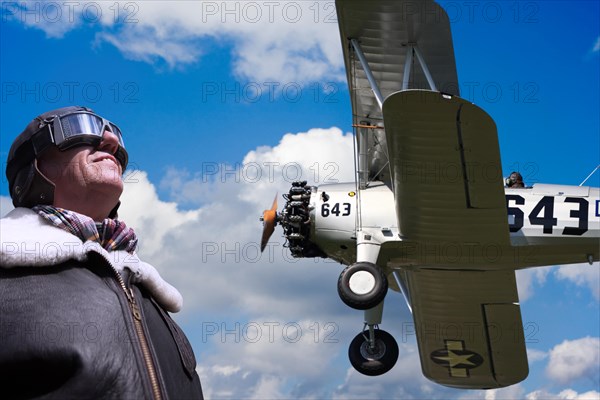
(108, 157)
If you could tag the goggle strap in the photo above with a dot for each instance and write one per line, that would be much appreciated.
(41, 140)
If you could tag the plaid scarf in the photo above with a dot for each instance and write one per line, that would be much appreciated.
(112, 234)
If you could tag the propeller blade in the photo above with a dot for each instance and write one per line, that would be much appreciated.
(269, 219)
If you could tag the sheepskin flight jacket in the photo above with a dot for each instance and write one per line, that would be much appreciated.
(79, 322)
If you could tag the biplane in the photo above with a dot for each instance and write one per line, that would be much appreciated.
(428, 214)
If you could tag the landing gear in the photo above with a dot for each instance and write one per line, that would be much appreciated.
(373, 352)
(362, 285)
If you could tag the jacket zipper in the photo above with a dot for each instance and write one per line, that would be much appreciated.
(139, 329)
(137, 320)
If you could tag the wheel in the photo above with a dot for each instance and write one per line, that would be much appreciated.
(376, 361)
(362, 285)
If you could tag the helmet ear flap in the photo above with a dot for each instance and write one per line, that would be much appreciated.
(32, 188)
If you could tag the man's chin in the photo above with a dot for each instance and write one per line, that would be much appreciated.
(109, 191)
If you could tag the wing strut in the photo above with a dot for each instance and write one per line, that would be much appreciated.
(413, 49)
(368, 72)
(407, 67)
(363, 170)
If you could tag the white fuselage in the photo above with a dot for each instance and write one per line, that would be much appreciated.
(549, 224)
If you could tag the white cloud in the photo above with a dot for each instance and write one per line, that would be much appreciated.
(404, 381)
(575, 359)
(269, 387)
(567, 394)
(226, 370)
(318, 156)
(596, 47)
(584, 275)
(510, 392)
(534, 355)
(142, 44)
(527, 279)
(518, 392)
(255, 362)
(51, 17)
(139, 197)
(212, 252)
(269, 41)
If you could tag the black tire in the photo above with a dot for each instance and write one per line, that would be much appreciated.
(362, 301)
(376, 362)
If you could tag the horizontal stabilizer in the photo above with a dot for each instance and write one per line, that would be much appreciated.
(468, 327)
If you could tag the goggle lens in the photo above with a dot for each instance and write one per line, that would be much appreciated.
(115, 129)
(86, 128)
(87, 124)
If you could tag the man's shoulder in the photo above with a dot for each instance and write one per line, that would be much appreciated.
(21, 221)
(27, 239)
(19, 214)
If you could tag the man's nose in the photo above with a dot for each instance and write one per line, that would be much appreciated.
(109, 143)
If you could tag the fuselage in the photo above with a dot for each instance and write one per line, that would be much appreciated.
(548, 224)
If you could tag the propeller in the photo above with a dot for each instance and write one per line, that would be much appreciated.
(269, 219)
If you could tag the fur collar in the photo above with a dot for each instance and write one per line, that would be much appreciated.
(27, 240)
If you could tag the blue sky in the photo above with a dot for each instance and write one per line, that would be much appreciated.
(204, 92)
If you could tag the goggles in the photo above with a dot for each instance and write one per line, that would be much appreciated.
(77, 128)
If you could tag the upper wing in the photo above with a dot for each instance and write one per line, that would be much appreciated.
(468, 327)
(447, 176)
(384, 30)
(387, 32)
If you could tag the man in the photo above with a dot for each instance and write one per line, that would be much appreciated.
(80, 314)
(515, 180)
